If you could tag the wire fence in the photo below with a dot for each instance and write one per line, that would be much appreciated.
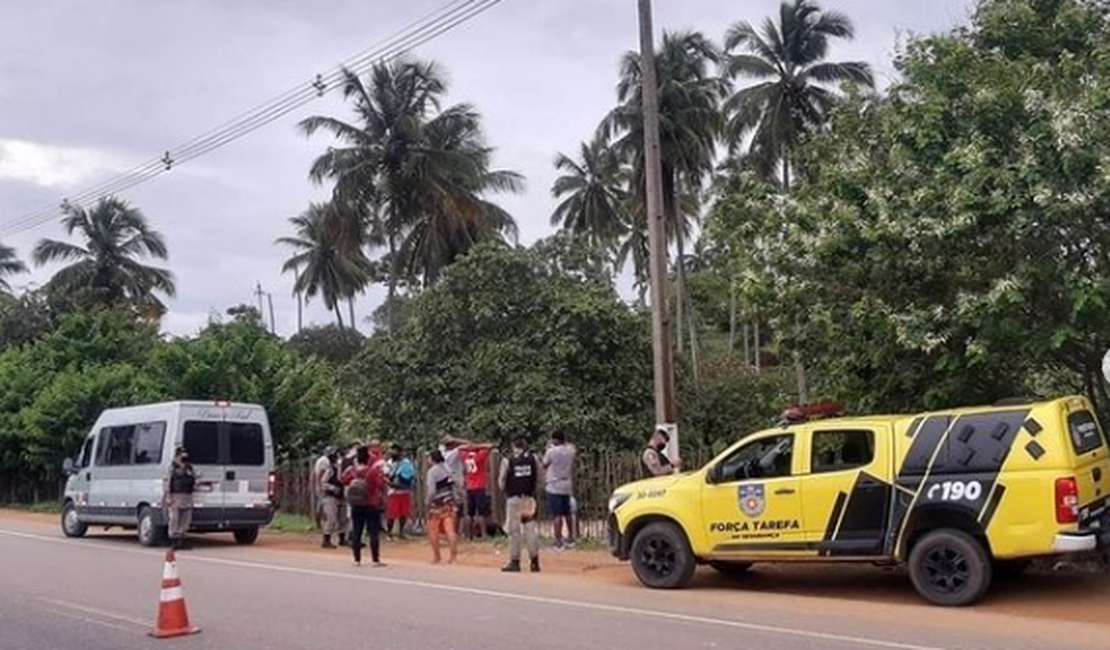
(596, 475)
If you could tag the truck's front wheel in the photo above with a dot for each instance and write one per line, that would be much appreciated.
(951, 568)
(661, 556)
(71, 523)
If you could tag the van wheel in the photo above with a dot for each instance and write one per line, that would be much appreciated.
(661, 557)
(949, 567)
(731, 569)
(150, 533)
(71, 523)
(246, 536)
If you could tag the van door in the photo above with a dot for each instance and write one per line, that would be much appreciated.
(846, 493)
(1092, 467)
(110, 484)
(752, 504)
(77, 486)
(247, 469)
(200, 435)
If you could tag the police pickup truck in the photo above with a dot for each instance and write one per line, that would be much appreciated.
(959, 496)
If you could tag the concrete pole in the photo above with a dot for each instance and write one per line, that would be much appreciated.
(662, 354)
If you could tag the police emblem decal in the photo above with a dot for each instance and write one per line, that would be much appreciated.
(752, 500)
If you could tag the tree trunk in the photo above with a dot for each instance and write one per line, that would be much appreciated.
(392, 290)
(732, 318)
(786, 169)
(758, 345)
(351, 308)
(747, 334)
(338, 315)
(691, 312)
(680, 278)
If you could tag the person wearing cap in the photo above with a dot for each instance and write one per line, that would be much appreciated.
(178, 487)
(655, 459)
(330, 491)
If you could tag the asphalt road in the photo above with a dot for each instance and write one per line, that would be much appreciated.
(102, 593)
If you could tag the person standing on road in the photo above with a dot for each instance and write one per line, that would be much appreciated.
(655, 459)
(441, 502)
(517, 479)
(402, 476)
(365, 492)
(178, 488)
(475, 459)
(318, 471)
(558, 463)
(333, 503)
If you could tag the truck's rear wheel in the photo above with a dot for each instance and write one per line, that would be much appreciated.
(950, 568)
(71, 523)
(246, 536)
(661, 556)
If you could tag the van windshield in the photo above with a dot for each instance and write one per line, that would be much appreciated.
(1084, 432)
(225, 443)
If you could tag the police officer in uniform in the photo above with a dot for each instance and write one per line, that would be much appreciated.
(655, 460)
(178, 488)
(518, 477)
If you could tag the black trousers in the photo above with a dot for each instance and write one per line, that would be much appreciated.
(370, 520)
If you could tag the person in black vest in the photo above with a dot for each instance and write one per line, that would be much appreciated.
(518, 477)
(177, 490)
(656, 462)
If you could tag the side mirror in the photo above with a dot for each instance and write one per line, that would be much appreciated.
(68, 468)
(714, 474)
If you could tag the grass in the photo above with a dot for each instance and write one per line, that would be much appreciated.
(289, 523)
(40, 507)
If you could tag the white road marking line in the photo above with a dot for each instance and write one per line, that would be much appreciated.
(92, 610)
(85, 619)
(506, 595)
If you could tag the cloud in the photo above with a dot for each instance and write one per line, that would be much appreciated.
(53, 166)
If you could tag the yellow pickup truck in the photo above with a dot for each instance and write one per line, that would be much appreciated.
(958, 496)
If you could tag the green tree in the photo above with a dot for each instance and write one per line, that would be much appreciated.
(420, 170)
(797, 87)
(328, 343)
(690, 126)
(327, 260)
(106, 270)
(9, 265)
(511, 342)
(592, 189)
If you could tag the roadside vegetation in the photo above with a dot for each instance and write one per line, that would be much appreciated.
(938, 241)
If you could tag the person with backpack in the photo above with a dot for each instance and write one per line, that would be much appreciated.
(365, 492)
(441, 502)
(518, 477)
(402, 476)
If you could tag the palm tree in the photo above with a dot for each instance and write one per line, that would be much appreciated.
(796, 88)
(9, 265)
(328, 260)
(107, 267)
(424, 168)
(593, 192)
(690, 125)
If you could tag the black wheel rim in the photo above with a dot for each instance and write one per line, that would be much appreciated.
(947, 569)
(659, 556)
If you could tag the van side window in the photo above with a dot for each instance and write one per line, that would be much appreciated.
(246, 443)
(835, 451)
(86, 454)
(149, 439)
(121, 445)
(1084, 433)
(202, 440)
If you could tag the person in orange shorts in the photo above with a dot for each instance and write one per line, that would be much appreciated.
(442, 516)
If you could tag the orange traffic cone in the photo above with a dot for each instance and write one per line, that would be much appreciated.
(173, 620)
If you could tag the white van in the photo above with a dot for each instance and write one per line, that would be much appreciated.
(117, 478)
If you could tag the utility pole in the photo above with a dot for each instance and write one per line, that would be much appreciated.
(273, 323)
(662, 355)
(300, 310)
(261, 308)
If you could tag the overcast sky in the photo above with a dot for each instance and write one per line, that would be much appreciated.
(89, 89)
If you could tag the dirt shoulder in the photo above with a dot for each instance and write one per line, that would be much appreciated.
(1043, 594)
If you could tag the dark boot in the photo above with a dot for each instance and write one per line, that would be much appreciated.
(327, 542)
(512, 567)
(535, 565)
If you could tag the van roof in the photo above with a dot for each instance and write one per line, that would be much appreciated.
(185, 403)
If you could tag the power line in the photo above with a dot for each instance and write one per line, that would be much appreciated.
(421, 31)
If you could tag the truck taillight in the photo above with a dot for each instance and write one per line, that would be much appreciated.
(272, 487)
(1067, 501)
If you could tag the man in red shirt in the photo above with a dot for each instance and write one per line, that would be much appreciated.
(475, 460)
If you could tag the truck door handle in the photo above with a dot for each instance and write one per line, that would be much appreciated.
(88, 476)
(784, 491)
(1097, 473)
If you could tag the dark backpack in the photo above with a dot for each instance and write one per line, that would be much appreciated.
(358, 492)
